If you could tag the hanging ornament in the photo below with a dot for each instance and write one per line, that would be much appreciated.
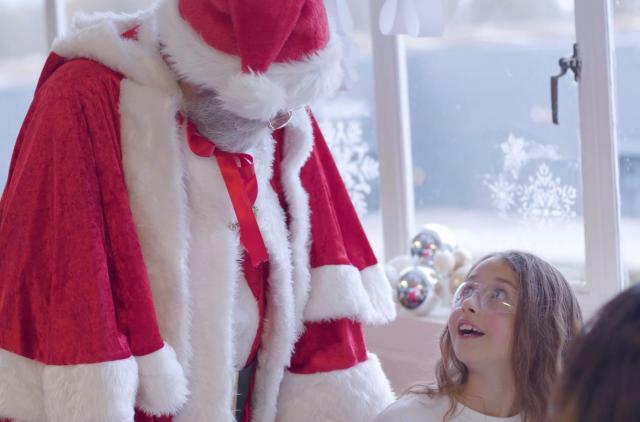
(416, 290)
(418, 18)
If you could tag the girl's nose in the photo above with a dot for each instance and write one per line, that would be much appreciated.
(470, 304)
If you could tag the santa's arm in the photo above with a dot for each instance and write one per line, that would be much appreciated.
(79, 339)
(332, 377)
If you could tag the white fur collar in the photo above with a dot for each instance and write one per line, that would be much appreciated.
(99, 37)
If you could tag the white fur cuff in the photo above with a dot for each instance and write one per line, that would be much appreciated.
(341, 291)
(163, 385)
(355, 394)
(100, 392)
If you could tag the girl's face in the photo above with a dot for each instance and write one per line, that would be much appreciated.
(482, 326)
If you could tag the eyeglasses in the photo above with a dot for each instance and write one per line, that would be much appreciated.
(282, 119)
(493, 298)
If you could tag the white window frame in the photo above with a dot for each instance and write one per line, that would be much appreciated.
(601, 200)
(599, 158)
(55, 19)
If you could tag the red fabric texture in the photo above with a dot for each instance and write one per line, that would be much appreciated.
(336, 232)
(260, 32)
(337, 238)
(73, 285)
(328, 346)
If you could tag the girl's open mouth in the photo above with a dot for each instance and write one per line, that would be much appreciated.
(465, 329)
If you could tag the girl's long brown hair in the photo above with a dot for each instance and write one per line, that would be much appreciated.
(547, 318)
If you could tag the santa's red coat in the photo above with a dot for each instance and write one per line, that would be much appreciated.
(119, 277)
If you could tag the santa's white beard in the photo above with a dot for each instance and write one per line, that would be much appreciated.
(227, 130)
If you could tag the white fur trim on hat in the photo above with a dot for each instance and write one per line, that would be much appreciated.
(253, 96)
(283, 86)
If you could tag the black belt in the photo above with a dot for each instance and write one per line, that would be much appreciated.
(242, 389)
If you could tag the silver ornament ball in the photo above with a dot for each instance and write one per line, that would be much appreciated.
(416, 285)
(425, 245)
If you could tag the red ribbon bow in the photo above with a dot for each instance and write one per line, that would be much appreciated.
(239, 177)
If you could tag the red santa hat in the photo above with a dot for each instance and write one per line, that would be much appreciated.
(260, 56)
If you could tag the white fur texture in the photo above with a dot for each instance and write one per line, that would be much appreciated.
(298, 144)
(380, 294)
(97, 37)
(356, 394)
(100, 392)
(245, 323)
(279, 333)
(163, 385)
(341, 291)
(21, 395)
(153, 166)
(253, 96)
(302, 81)
(214, 275)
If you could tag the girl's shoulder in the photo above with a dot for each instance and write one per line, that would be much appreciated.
(415, 407)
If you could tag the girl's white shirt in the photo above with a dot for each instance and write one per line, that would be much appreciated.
(421, 408)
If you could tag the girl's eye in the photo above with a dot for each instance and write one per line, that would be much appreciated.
(466, 291)
(500, 294)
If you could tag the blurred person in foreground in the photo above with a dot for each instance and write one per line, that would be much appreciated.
(601, 377)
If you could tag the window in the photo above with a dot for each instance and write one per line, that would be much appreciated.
(480, 150)
(22, 53)
(119, 6)
(487, 161)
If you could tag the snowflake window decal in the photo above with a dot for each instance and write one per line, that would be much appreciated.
(542, 199)
(351, 153)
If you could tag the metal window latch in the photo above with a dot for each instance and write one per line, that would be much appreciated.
(575, 64)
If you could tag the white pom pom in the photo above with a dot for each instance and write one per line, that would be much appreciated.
(462, 257)
(443, 262)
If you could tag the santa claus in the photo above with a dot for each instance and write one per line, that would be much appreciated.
(176, 241)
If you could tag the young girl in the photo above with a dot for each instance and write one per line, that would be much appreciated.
(510, 323)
